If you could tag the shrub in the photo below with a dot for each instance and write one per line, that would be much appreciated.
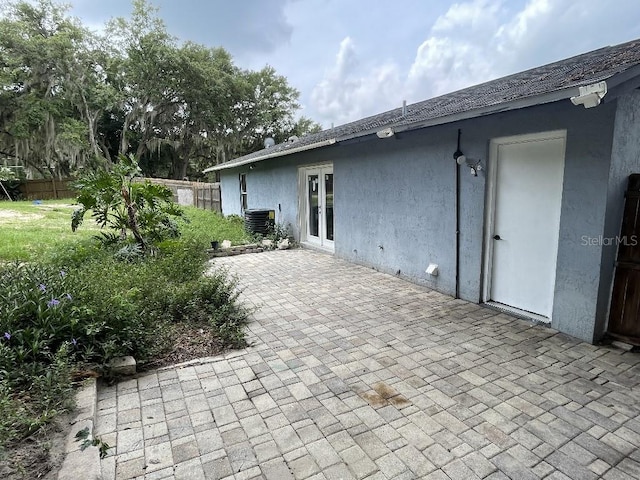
(275, 233)
(125, 206)
(132, 303)
(38, 329)
(204, 226)
(212, 299)
(26, 409)
(36, 319)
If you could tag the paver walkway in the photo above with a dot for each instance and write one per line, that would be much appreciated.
(358, 374)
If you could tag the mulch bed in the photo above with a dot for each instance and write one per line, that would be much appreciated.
(190, 342)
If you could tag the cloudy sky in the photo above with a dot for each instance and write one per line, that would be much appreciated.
(353, 58)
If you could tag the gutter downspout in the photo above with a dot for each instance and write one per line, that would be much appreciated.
(457, 241)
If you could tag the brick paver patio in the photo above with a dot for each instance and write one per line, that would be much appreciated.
(357, 374)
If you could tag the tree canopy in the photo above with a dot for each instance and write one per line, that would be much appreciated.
(72, 99)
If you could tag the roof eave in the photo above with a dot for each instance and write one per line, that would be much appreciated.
(280, 153)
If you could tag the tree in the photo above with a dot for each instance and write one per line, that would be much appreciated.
(189, 105)
(53, 88)
(265, 110)
(73, 100)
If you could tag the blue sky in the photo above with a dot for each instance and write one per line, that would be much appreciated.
(353, 58)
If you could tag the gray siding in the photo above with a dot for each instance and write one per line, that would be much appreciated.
(395, 209)
(395, 201)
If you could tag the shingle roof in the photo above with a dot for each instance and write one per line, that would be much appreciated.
(552, 82)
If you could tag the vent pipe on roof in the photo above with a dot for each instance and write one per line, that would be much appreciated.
(404, 108)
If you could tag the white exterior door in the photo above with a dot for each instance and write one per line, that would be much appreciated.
(318, 205)
(523, 222)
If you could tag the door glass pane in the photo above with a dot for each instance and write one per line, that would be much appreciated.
(313, 188)
(328, 191)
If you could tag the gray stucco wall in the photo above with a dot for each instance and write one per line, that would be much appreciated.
(625, 160)
(395, 201)
(229, 191)
(396, 207)
(271, 185)
(584, 198)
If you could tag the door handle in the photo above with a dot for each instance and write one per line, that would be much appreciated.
(497, 237)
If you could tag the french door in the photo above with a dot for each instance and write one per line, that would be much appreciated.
(318, 203)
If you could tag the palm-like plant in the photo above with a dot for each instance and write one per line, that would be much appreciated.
(124, 205)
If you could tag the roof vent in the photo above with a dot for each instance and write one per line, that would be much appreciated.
(404, 108)
(590, 95)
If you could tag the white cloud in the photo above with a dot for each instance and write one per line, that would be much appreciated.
(516, 30)
(459, 51)
(445, 64)
(347, 92)
(478, 15)
(472, 42)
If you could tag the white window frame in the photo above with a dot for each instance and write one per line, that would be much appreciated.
(244, 199)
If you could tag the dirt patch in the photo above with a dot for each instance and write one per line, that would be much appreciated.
(13, 215)
(39, 456)
(57, 207)
(190, 342)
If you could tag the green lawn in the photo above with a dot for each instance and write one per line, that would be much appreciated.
(206, 226)
(29, 231)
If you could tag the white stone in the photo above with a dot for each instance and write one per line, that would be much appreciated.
(283, 244)
(123, 365)
(267, 242)
(226, 244)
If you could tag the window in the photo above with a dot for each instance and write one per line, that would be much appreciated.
(243, 191)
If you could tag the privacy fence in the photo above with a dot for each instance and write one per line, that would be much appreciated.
(198, 194)
(46, 189)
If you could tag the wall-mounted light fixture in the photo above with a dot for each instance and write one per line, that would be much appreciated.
(461, 159)
(590, 95)
(385, 133)
(252, 166)
(474, 165)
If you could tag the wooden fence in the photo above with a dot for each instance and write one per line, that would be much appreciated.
(198, 194)
(46, 189)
